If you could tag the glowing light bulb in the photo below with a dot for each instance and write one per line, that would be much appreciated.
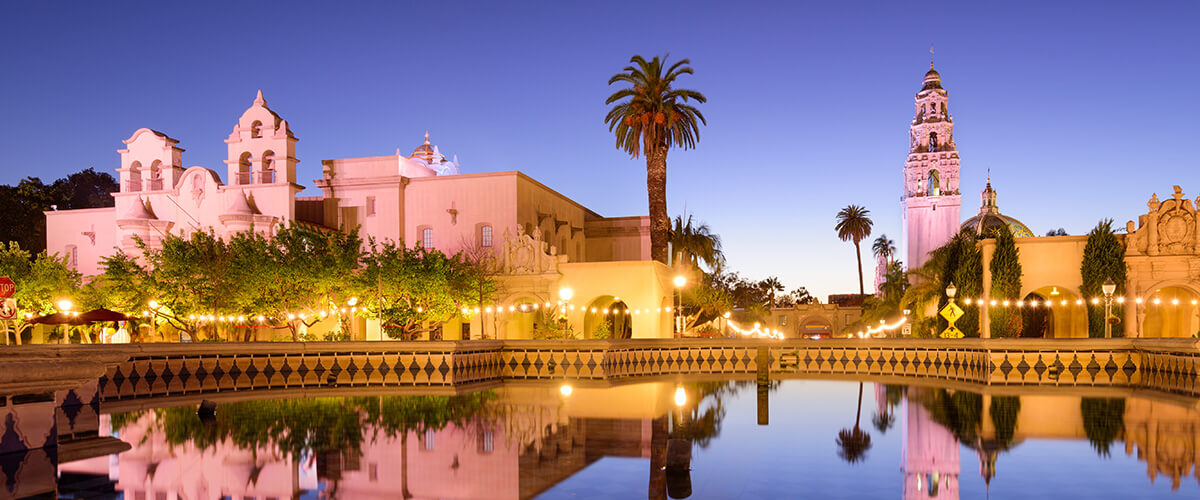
(680, 396)
(566, 389)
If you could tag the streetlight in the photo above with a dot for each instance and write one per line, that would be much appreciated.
(65, 305)
(951, 290)
(1109, 287)
(680, 281)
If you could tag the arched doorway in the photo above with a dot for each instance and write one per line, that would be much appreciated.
(519, 323)
(1054, 312)
(1038, 320)
(815, 326)
(1171, 312)
(607, 316)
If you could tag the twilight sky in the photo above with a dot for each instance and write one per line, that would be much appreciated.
(1080, 109)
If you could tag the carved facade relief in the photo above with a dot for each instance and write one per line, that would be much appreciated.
(528, 254)
(1171, 227)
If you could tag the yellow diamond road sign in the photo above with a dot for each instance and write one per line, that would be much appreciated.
(952, 333)
(952, 312)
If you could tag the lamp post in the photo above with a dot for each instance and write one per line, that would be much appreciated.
(951, 291)
(680, 281)
(65, 306)
(1109, 287)
(565, 294)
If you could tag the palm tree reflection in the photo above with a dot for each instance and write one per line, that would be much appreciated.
(854, 443)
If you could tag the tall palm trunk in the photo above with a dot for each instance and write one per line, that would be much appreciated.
(858, 253)
(656, 188)
(858, 414)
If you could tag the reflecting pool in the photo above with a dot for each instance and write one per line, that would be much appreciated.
(785, 439)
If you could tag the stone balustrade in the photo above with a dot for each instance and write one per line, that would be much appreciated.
(140, 371)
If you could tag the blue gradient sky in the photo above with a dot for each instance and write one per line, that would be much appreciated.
(1080, 109)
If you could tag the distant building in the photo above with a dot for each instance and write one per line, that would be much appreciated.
(541, 239)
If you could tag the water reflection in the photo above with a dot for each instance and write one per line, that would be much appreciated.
(525, 441)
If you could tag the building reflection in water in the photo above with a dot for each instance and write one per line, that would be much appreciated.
(517, 442)
(930, 462)
(511, 443)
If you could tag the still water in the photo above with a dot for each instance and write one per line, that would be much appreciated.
(788, 439)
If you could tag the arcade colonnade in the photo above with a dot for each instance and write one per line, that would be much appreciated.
(1162, 290)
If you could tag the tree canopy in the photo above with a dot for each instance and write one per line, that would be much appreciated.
(23, 204)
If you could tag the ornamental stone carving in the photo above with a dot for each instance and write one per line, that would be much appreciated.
(1171, 227)
(528, 254)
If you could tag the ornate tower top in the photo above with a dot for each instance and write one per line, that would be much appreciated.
(931, 195)
(262, 148)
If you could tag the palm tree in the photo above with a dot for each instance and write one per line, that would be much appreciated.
(693, 244)
(854, 443)
(854, 224)
(655, 118)
(771, 285)
(884, 248)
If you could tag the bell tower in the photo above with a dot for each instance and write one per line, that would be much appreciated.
(931, 199)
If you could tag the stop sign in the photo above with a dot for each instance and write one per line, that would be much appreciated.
(7, 287)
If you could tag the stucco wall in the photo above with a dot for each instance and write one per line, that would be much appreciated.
(74, 229)
(478, 199)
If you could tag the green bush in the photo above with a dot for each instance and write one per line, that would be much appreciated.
(1006, 285)
(1103, 258)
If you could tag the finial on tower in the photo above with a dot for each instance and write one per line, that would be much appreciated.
(258, 99)
(426, 137)
(930, 55)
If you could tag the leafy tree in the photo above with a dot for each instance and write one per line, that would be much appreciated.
(1103, 421)
(704, 302)
(889, 304)
(694, 244)
(308, 271)
(960, 412)
(1004, 410)
(968, 278)
(23, 205)
(1006, 285)
(190, 278)
(853, 443)
(650, 117)
(412, 291)
(771, 286)
(41, 282)
(1103, 259)
(884, 248)
(854, 224)
(1057, 232)
(799, 296)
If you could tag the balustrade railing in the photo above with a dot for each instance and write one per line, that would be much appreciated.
(247, 178)
(133, 185)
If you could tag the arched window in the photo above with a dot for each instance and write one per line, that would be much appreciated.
(244, 176)
(427, 238)
(268, 167)
(933, 143)
(155, 176)
(256, 129)
(135, 176)
(72, 252)
(934, 186)
(485, 236)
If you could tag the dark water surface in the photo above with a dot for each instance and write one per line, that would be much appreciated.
(789, 439)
